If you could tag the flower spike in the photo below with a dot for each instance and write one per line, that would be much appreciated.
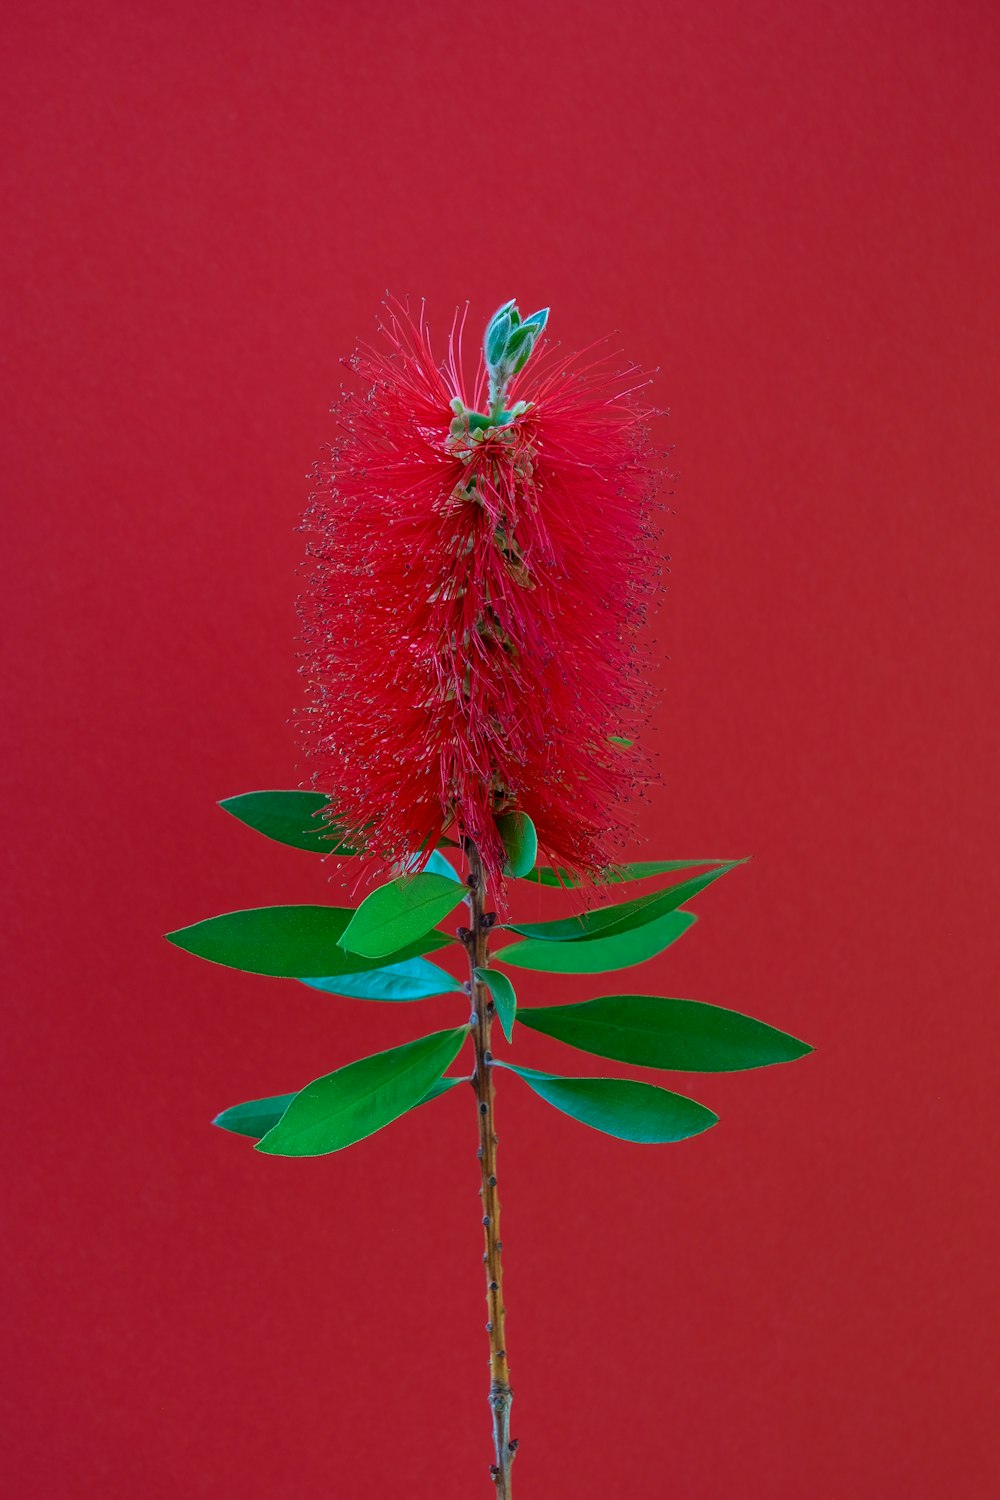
(479, 578)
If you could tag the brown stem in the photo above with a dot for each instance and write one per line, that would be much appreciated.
(481, 1022)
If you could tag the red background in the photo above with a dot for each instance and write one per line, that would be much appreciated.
(791, 207)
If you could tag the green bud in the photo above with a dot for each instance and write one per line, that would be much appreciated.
(509, 342)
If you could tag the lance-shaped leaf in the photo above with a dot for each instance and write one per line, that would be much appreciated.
(504, 998)
(400, 913)
(437, 864)
(623, 916)
(292, 942)
(440, 864)
(520, 842)
(355, 1101)
(620, 875)
(255, 1118)
(497, 332)
(632, 1111)
(290, 818)
(413, 980)
(656, 1032)
(598, 955)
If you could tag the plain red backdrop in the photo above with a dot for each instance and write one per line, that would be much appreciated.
(791, 208)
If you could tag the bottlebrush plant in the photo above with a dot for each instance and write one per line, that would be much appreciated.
(483, 559)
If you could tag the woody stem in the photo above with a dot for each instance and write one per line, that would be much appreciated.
(480, 1024)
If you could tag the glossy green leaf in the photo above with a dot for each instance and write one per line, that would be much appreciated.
(437, 864)
(621, 917)
(257, 1117)
(520, 842)
(413, 980)
(598, 955)
(504, 998)
(357, 1100)
(656, 1032)
(620, 875)
(289, 818)
(440, 864)
(400, 913)
(640, 1112)
(438, 1087)
(294, 942)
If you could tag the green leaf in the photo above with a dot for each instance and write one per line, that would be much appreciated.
(620, 875)
(413, 980)
(289, 818)
(621, 741)
(621, 917)
(256, 1117)
(504, 998)
(632, 1111)
(520, 842)
(525, 333)
(599, 955)
(293, 942)
(259, 1116)
(508, 309)
(497, 333)
(439, 1087)
(538, 319)
(354, 1101)
(439, 864)
(400, 913)
(656, 1032)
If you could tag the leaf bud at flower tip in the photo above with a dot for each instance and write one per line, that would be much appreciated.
(497, 333)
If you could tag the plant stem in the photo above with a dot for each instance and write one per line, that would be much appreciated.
(481, 1022)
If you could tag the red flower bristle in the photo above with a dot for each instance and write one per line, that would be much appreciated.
(471, 617)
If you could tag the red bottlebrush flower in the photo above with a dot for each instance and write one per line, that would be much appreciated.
(478, 581)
